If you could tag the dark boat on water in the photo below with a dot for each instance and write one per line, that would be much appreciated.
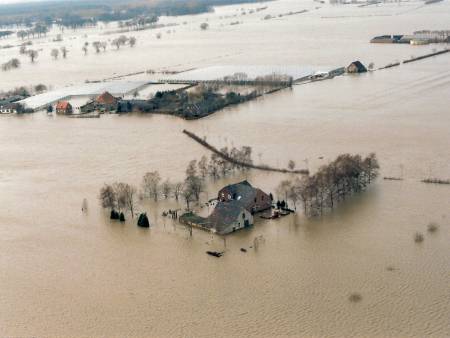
(215, 253)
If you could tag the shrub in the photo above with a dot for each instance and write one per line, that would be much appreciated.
(114, 215)
(432, 227)
(418, 237)
(355, 297)
(143, 221)
(122, 217)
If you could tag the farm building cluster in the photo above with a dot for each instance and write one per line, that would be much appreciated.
(236, 205)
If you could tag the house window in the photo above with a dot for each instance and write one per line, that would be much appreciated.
(243, 215)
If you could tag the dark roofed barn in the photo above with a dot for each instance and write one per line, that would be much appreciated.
(107, 99)
(356, 67)
(252, 199)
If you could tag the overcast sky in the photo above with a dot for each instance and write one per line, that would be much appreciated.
(17, 1)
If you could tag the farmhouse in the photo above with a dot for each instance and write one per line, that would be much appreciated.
(234, 210)
(7, 108)
(228, 217)
(103, 103)
(64, 108)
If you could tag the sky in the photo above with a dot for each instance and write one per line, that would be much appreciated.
(16, 1)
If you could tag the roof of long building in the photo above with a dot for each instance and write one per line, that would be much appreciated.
(225, 214)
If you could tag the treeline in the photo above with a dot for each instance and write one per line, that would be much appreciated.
(236, 161)
(4, 34)
(37, 30)
(188, 105)
(23, 91)
(122, 197)
(334, 182)
(75, 14)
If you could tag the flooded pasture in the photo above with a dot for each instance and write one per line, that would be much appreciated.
(68, 273)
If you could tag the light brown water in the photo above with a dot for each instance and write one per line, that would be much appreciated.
(65, 273)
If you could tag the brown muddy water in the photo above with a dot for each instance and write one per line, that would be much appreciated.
(65, 273)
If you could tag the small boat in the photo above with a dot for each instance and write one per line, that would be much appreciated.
(215, 253)
(275, 215)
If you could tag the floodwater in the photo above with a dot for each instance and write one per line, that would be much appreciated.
(66, 273)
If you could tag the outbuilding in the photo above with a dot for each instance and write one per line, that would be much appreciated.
(64, 108)
(356, 67)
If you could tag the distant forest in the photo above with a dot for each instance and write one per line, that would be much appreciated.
(77, 13)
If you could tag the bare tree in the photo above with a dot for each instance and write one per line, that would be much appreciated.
(85, 47)
(177, 189)
(188, 195)
(40, 88)
(22, 34)
(54, 53)
(213, 166)
(116, 43)
(120, 41)
(291, 165)
(33, 54)
(150, 184)
(97, 46)
(64, 51)
(166, 188)
(283, 189)
(191, 169)
(126, 195)
(108, 198)
(203, 166)
(193, 182)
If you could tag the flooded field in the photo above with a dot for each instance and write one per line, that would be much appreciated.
(67, 273)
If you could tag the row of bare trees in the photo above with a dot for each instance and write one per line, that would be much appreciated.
(32, 53)
(102, 45)
(217, 166)
(138, 23)
(153, 187)
(55, 52)
(123, 40)
(38, 30)
(334, 182)
(118, 196)
(122, 196)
